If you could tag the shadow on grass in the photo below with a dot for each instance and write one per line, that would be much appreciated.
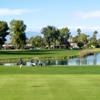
(28, 52)
(36, 86)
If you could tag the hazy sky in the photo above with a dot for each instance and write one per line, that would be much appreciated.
(36, 14)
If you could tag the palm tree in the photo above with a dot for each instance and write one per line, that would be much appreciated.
(79, 32)
(94, 35)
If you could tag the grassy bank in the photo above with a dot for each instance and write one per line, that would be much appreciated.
(6, 56)
(37, 53)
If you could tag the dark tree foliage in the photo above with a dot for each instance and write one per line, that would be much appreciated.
(3, 32)
(18, 36)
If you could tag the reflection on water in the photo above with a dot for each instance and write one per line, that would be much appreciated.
(89, 60)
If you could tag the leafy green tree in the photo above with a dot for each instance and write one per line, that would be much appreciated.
(18, 36)
(56, 34)
(80, 44)
(83, 38)
(60, 40)
(37, 41)
(93, 40)
(64, 37)
(75, 39)
(93, 44)
(47, 35)
(98, 41)
(3, 32)
(50, 34)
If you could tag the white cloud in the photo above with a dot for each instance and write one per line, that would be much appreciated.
(6, 12)
(94, 14)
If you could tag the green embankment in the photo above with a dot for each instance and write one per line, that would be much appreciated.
(43, 54)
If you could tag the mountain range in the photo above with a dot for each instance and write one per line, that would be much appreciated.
(29, 34)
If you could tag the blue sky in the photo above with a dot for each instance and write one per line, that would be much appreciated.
(36, 14)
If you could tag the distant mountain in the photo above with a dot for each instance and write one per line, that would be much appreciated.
(30, 34)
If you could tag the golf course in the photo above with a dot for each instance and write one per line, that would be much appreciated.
(55, 82)
(50, 83)
(50, 50)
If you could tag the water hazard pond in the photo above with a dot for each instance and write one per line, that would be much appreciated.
(89, 60)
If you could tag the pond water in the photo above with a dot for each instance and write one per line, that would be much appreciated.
(89, 60)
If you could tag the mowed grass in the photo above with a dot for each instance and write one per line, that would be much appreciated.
(50, 87)
(8, 54)
(63, 53)
(50, 70)
(50, 83)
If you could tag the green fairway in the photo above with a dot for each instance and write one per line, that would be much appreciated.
(50, 70)
(50, 83)
(49, 87)
(26, 55)
(8, 54)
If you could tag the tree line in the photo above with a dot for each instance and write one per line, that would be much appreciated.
(16, 30)
(52, 36)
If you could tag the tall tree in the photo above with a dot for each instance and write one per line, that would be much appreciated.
(94, 35)
(75, 39)
(18, 36)
(64, 36)
(79, 32)
(3, 32)
(37, 41)
(51, 34)
(56, 34)
(83, 38)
